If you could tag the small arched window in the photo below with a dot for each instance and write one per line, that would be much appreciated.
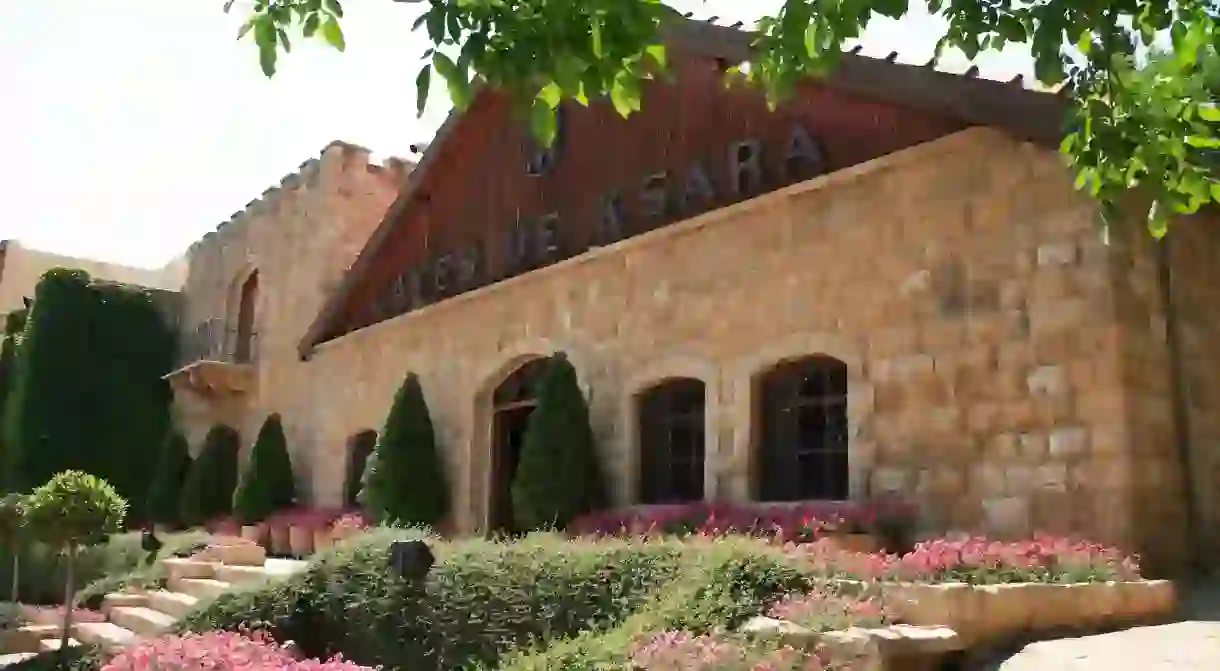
(804, 431)
(671, 440)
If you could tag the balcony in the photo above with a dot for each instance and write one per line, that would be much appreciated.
(214, 361)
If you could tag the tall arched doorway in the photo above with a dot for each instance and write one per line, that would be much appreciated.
(244, 350)
(512, 404)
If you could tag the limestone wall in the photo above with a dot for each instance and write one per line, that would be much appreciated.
(961, 280)
(299, 237)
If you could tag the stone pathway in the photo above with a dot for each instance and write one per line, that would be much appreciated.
(1190, 645)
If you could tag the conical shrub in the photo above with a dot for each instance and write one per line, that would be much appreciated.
(268, 484)
(208, 490)
(558, 476)
(407, 482)
(165, 490)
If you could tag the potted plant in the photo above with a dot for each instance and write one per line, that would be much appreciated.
(301, 525)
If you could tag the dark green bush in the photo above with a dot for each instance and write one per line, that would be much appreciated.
(207, 492)
(88, 392)
(481, 599)
(558, 477)
(165, 489)
(268, 485)
(14, 324)
(407, 479)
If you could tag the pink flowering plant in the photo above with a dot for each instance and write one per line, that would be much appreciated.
(822, 609)
(977, 560)
(683, 651)
(221, 651)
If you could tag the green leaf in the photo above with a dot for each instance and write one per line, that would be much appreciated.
(310, 27)
(551, 95)
(1214, 189)
(892, 9)
(334, 7)
(245, 28)
(1203, 141)
(423, 81)
(333, 34)
(542, 122)
(1209, 112)
(266, 58)
(657, 53)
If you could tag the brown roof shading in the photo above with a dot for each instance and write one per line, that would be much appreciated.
(1030, 115)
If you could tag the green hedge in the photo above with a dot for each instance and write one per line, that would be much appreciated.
(41, 574)
(480, 598)
(88, 392)
(484, 599)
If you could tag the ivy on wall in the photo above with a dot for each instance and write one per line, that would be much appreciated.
(87, 393)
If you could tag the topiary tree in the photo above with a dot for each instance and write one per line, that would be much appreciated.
(70, 510)
(268, 484)
(406, 476)
(207, 492)
(558, 476)
(165, 490)
(12, 528)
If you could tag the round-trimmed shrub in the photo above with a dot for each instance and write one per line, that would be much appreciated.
(72, 509)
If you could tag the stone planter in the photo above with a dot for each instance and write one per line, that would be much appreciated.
(256, 533)
(987, 613)
(300, 541)
(280, 542)
(853, 542)
(322, 539)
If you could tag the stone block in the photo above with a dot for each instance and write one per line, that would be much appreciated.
(1048, 380)
(1058, 254)
(1006, 516)
(1003, 611)
(1068, 442)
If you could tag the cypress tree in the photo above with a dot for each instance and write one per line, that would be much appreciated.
(165, 489)
(558, 476)
(14, 324)
(407, 482)
(208, 490)
(88, 392)
(268, 484)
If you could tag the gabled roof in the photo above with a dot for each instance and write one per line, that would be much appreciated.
(1032, 115)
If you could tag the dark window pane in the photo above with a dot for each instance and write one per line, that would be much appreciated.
(671, 442)
(804, 431)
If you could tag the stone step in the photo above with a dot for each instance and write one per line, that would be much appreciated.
(52, 644)
(141, 620)
(175, 604)
(201, 588)
(107, 635)
(117, 599)
(27, 638)
(179, 567)
(241, 575)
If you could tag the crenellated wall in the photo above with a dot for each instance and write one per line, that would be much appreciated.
(299, 237)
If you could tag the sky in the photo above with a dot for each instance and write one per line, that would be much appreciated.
(134, 127)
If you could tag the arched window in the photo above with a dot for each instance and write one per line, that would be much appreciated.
(512, 404)
(359, 447)
(246, 335)
(672, 441)
(804, 431)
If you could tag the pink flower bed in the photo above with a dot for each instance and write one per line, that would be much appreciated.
(824, 610)
(789, 522)
(219, 650)
(978, 560)
(682, 651)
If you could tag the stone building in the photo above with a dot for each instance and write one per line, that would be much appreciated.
(888, 284)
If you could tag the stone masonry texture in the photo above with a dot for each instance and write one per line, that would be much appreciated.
(1008, 370)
